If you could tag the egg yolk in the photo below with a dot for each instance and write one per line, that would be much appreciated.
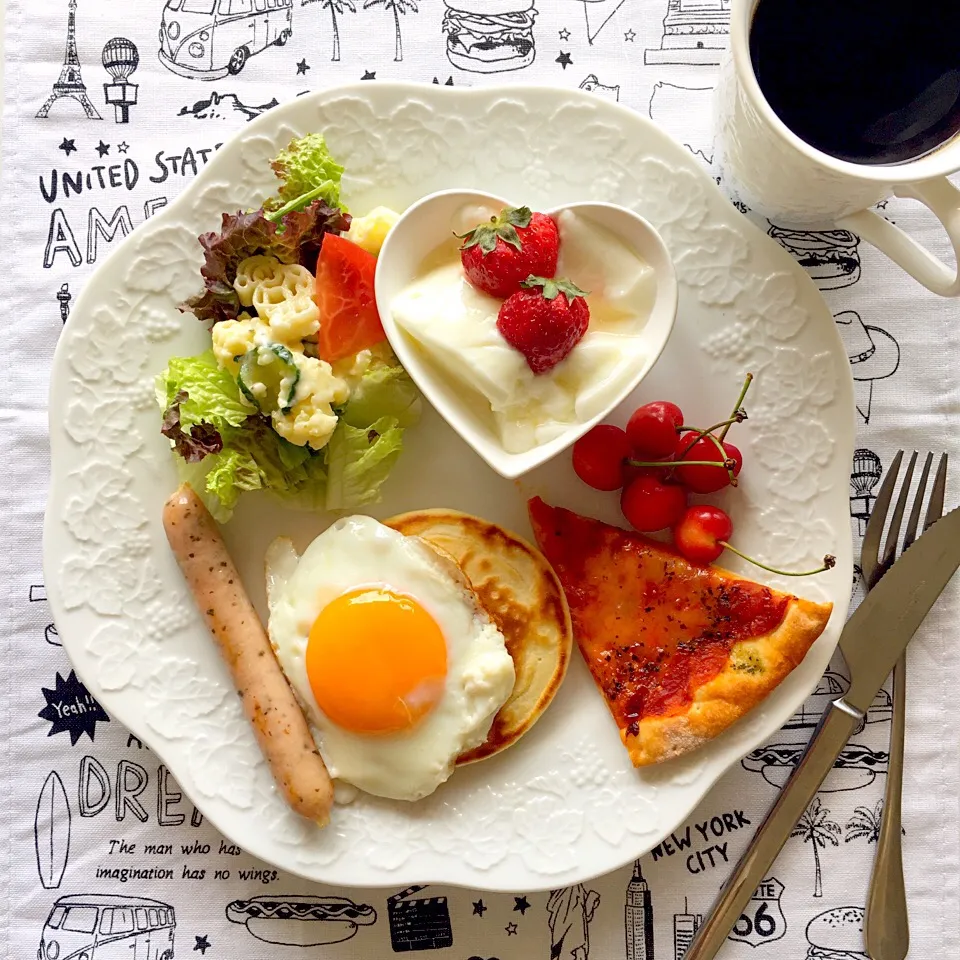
(376, 661)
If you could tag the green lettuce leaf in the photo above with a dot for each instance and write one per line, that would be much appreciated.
(199, 401)
(359, 459)
(212, 394)
(383, 391)
(256, 457)
(306, 171)
(369, 437)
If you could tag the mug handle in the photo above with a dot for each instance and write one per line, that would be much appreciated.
(943, 198)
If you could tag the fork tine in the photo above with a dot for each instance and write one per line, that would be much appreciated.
(914, 522)
(935, 506)
(893, 533)
(870, 551)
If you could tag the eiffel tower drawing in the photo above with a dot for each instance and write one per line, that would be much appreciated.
(71, 83)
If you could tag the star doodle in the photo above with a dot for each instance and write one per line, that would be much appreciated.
(564, 60)
(71, 708)
(479, 908)
(302, 68)
(521, 905)
(882, 205)
(103, 149)
(564, 34)
(447, 83)
(369, 75)
(123, 147)
(511, 929)
(202, 944)
(68, 146)
(630, 35)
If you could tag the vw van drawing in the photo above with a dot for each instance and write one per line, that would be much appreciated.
(104, 926)
(207, 39)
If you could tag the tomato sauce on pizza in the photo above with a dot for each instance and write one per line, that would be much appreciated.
(655, 630)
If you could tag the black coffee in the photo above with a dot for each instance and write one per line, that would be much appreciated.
(870, 81)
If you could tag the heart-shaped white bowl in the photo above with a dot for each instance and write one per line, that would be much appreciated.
(422, 228)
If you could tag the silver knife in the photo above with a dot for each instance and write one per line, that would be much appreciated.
(871, 642)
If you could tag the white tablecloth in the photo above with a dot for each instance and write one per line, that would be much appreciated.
(88, 812)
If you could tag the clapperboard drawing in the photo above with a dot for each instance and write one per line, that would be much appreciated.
(419, 924)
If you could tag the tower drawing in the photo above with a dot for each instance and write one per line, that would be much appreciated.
(70, 84)
(685, 926)
(638, 917)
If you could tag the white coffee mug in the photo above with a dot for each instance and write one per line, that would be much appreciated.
(783, 178)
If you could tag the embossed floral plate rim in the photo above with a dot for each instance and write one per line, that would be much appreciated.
(563, 805)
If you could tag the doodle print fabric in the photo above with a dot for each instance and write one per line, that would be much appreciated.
(106, 120)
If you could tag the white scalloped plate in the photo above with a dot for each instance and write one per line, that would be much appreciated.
(564, 804)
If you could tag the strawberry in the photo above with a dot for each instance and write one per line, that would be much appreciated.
(543, 325)
(498, 256)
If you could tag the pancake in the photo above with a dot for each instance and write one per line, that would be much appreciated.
(520, 592)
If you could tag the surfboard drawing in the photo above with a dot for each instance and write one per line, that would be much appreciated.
(51, 831)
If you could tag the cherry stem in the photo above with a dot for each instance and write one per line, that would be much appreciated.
(726, 462)
(829, 562)
(736, 406)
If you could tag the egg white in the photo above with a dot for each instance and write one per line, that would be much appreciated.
(358, 552)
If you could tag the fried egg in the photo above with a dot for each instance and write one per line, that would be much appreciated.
(397, 665)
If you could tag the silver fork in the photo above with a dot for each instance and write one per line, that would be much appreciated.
(887, 929)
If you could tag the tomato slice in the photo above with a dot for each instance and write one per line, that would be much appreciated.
(349, 320)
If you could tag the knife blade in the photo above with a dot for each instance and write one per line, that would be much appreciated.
(872, 641)
(882, 626)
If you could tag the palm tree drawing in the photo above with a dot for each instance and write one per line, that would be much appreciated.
(816, 827)
(396, 7)
(336, 7)
(865, 824)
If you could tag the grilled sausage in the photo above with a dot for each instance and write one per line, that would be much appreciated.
(270, 704)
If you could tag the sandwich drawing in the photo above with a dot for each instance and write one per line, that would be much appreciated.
(490, 36)
(836, 934)
(831, 257)
(301, 921)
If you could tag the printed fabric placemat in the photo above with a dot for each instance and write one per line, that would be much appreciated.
(105, 121)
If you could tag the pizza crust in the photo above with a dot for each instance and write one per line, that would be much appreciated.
(755, 668)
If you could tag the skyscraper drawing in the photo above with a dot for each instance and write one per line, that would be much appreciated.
(71, 83)
(638, 914)
(685, 925)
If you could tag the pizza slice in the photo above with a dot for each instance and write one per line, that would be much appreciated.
(679, 651)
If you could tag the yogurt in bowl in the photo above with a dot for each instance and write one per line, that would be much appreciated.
(444, 330)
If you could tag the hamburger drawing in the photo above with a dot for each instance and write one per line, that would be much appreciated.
(490, 36)
(301, 921)
(836, 934)
(831, 257)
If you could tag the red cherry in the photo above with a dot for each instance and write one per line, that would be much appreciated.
(701, 479)
(649, 504)
(652, 429)
(699, 531)
(598, 457)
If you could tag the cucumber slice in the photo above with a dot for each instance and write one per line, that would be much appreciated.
(268, 378)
